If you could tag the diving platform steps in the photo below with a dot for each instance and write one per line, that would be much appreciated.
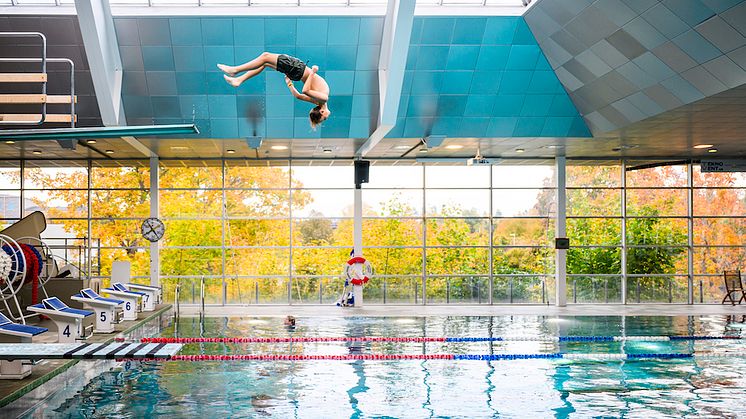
(37, 351)
(35, 99)
(34, 118)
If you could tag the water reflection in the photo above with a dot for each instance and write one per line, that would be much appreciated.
(356, 389)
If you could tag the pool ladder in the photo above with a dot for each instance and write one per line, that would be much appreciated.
(177, 293)
(177, 299)
(202, 298)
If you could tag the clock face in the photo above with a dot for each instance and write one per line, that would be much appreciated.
(153, 229)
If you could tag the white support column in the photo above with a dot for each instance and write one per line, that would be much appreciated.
(690, 232)
(357, 240)
(623, 197)
(155, 278)
(102, 51)
(561, 231)
(357, 223)
(397, 31)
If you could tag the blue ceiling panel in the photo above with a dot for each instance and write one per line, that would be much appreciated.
(185, 31)
(465, 77)
(248, 31)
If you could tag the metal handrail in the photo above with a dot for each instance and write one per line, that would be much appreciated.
(72, 82)
(177, 294)
(202, 297)
(43, 60)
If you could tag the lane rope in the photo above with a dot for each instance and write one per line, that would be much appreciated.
(415, 339)
(451, 357)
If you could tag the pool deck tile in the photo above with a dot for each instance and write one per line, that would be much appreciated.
(468, 310)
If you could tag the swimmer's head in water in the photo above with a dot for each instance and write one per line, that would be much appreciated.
(318, 115)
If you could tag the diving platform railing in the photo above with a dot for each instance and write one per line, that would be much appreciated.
(43, 99)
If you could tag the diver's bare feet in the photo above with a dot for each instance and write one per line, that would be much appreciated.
(227, 69)
(233, 81)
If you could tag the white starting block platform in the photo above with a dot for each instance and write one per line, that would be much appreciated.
(16, 333)
(70, 322)
(34, 351)
(19, 333)
(108, 310)
(131, 299)
(152, 295)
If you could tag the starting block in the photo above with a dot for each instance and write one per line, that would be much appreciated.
(131, 299)
(108, 310)
(72, 324)
(16, 333)
(152, 295)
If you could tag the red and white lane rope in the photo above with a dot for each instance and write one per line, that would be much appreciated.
(453, 357)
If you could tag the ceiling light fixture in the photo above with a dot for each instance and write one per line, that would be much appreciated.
(624, 147)
(402, 147)
(328, 150)
(179, 148)
(230, 151)
(36, 151)
(109, 151)
(703, 146)
(91, 142)
(423, 150)
(432, 141)
(10, 142)
(254, 141)
(279, 147)
(712, 150)
(519, 150)
(454, 146)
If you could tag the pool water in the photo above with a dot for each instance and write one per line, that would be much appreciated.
(432, 388)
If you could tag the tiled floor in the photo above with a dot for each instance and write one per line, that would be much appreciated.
(496, 310)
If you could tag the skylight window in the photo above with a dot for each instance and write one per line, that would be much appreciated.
(249, 3)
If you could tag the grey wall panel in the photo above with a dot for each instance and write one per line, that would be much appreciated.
(625, 61)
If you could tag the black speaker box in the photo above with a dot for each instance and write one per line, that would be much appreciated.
(362, 172)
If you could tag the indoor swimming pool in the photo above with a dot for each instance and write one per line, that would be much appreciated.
(695, 387)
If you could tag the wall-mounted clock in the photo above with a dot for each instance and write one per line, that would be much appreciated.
(153, 229)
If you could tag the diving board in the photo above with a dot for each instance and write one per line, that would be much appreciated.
(117, 350)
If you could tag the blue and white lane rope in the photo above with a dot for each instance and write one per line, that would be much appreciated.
(600, 356)
(306, 339)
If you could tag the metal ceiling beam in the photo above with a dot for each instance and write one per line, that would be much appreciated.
(97, 132)
(137, 145)
(397, 31)
(102, 51)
